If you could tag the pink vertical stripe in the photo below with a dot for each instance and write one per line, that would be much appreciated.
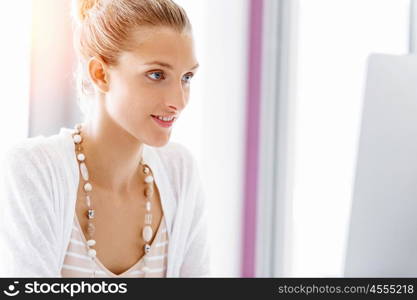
(252, 137)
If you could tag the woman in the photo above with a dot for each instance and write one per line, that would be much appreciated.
(112, 197)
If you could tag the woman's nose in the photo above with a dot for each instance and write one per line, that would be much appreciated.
(178, 98)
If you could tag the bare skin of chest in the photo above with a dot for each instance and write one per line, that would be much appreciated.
(118, 225)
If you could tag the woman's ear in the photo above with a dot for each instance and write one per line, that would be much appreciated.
(97, 71)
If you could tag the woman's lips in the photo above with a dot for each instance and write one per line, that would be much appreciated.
(164, 124)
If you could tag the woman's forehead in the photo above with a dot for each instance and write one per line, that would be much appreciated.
(166, 48)
(155, 38)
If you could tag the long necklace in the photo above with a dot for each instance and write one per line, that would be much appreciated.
(147, 231)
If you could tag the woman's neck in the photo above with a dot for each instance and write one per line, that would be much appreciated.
(112, 156)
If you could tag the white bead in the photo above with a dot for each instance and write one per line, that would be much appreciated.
(88, 187)
(91, 242)
(90, 213)
(81, 157)
(149, 191)
(91, 229)
(78, 126)
(84, 171)
(149, 179)
(77, 138)
(148, 205)
(92, 252)
(148, 219)
(147, 248)
(147, 233)
(88, 200)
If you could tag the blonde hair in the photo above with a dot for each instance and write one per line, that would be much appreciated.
(103, 29)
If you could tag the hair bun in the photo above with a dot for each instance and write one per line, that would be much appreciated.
(82, 7)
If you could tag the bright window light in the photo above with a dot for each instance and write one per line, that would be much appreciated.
(335, 38)
(15, 31)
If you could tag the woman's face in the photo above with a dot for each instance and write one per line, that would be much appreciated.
(139, 87)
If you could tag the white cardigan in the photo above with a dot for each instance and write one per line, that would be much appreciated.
(38, 189)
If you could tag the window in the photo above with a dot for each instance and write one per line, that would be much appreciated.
(335, 38)
(15, 71)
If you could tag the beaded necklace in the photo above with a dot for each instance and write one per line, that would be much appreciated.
(147, 231)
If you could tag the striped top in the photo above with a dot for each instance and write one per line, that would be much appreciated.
(78, 264)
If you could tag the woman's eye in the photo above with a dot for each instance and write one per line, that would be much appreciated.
(160, 75)
(189, 77)
(156, 77)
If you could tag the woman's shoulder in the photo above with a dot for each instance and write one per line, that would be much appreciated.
(24, 151)
(37, 150)
(36, 147)
(179, 164)
(177, 156)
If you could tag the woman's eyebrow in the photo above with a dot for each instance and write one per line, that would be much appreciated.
(166, 65)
